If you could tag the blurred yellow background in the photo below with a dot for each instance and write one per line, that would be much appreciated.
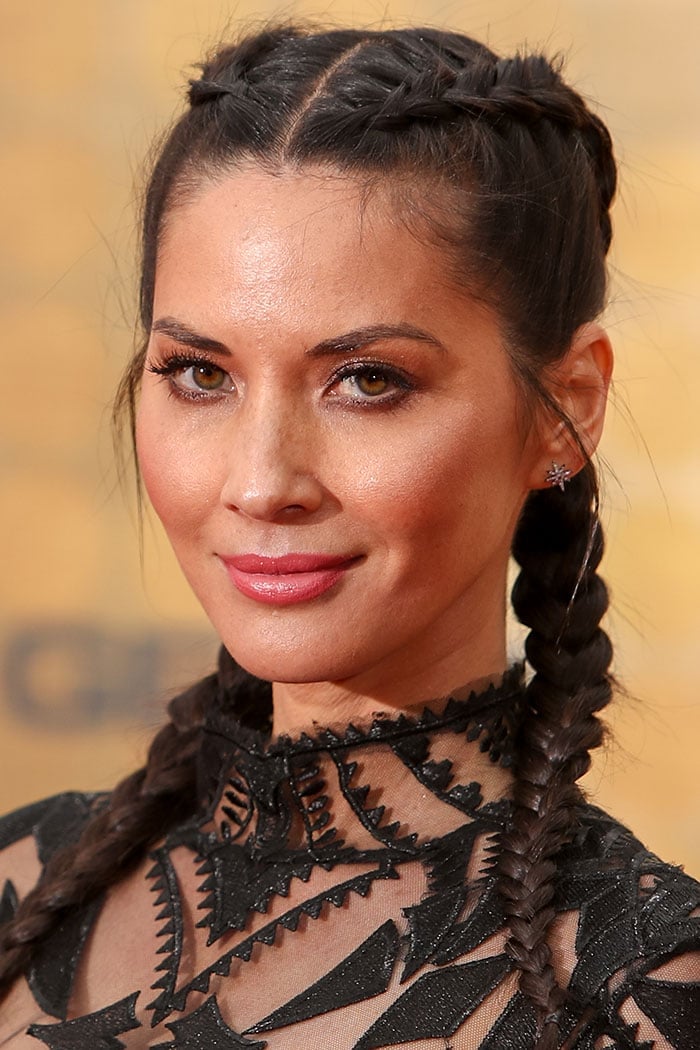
(91, 642)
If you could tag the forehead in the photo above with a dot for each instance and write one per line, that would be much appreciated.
(270, 240)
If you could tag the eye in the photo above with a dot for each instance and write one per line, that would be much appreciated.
(371, 383)
(364, 383)
(203, 377)
(193, 377)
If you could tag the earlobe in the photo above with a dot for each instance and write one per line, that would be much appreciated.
(579, 385)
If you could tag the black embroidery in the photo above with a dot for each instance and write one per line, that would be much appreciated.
(429, 923)
(365, 973)
(515, 1029)
(205, 1029)
(674, 1008)
(97, 1031)
(167, 901)
(17, 825)
(62, 822)
(436, 1004)
(54, 966)
(8, 902)
(299, 839)
(311, 908)
(54, 822)
(463, 937)
(257, 880)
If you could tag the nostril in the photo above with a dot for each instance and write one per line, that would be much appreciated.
(292, 499)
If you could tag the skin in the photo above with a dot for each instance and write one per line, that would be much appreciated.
(417, 466)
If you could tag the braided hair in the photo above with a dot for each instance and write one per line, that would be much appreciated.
(521, 177)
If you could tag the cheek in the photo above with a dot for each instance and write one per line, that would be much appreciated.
(462, 472)
(176, 471)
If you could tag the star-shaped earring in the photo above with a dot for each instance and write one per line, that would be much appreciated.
(558, 474)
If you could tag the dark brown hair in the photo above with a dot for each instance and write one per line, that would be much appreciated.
(525, 175)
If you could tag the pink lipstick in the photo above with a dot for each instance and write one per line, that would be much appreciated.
(286, 580)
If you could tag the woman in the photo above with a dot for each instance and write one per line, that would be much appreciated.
(371, 369)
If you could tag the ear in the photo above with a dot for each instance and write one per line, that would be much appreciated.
(579, 384)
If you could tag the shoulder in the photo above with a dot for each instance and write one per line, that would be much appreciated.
(638, 918)
(52, 822)
(605, 847)
(607, 862)
(31, 835)
(49, 820)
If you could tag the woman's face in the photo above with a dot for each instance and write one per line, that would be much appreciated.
(331, 435)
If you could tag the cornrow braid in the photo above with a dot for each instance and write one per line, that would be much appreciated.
(230, 69)
(138, 812)
(526, 90)
(559, 595)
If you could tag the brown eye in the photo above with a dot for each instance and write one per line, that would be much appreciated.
(193, 378)
(200, 378)
(365, 384)
(372, 384)
(208, 377)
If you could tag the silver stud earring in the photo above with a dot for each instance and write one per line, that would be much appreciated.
(558, 474)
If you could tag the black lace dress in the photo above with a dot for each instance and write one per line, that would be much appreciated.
(337, 891)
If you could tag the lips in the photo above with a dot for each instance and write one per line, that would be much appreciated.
(288, 579)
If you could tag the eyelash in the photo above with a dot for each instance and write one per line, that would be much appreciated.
(403, 385)
(168, 367)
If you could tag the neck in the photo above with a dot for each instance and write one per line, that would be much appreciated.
(304, 706)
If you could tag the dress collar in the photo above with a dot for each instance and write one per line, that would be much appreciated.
(275, 792)
(491, 714)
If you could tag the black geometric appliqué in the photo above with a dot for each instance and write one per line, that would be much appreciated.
(366, 972)
(436, 1004)
(312, 908)
(205, 1029)
(485, 920)
(96, 1031)
(238, 882)
(8, 902)
(370, 818)
(515, 1029)
(674, 1008)
(164, 884)
(266, 842)
(54, 965)
(429, 923)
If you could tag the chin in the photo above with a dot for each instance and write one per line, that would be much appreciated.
(299, 664)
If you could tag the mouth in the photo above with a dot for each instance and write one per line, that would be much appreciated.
(289, 579)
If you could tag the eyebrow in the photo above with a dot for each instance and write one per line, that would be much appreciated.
(360, 337)
(181, 333)
(338, 345)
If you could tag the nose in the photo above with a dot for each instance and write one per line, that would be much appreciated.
(273, 463)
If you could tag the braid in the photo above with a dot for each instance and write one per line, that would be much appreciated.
(139, 811)
(509, 89)
(228, 71)
(559, 595)
(525, 89)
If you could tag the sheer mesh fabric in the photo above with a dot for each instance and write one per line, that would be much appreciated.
(338, 891)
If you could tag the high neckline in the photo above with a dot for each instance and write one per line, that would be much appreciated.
(494, 711)
(337, 792)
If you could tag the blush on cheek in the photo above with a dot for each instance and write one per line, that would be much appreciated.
(414, 481)
(150, 458)
(168, 471)
(449, 497)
